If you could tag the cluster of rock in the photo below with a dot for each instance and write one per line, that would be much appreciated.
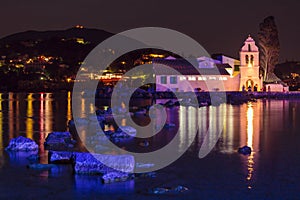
(113, 168)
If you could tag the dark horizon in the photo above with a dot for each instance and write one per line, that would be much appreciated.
(220, 27)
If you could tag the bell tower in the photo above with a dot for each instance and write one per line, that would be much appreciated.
(249, 69)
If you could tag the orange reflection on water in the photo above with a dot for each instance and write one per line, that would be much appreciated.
(11, 116)
(29, 120)
(69, 110)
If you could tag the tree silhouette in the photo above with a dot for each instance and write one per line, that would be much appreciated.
(269, 48)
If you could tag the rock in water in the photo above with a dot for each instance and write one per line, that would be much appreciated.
(22, 144)
(128, 130)
(159, 190)
(170, 125)
(60, 157)
(146, 175)
(180, 188)
(144, 165)
(87, 163)
(168, 190)
(144, 143)
(59, 140)
(115, 177)
(245, 150)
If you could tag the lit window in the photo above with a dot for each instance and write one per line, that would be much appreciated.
(163, 80)
(182, 78)
(173, 80)
(212, 78)
(192, 78)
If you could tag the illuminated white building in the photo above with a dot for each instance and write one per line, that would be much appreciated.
(224, 74)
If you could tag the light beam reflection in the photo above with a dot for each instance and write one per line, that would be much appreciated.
(250, 126)
(29, 120)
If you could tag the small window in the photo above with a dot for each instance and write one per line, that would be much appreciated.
(182, 78)
(173, 80)
(252, 60)
(247, 59)
(249, 47)
(191, 78)
(163, 80)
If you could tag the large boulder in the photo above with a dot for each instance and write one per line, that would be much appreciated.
(87, 163)
(22, 144)
(59, 140)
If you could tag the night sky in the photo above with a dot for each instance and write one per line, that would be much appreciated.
(220, 26)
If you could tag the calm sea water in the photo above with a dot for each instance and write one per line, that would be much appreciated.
(270, 127)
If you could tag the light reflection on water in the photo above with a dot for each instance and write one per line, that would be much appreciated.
(35, 115)
(250, 135)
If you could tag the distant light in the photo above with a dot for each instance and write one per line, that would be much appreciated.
(79, 26)
(80, 40)
(156, 55)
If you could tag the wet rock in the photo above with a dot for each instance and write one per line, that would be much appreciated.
(169, 125)
(144, 143)
(22, 144)
(41, 166)
(245, 150)
(144, 165)
(140, 112)
(100, 148)
(60, 157)
(168, 190)
(99, 138)
(128, 130)
(180, 188)
(113, 177)
(159, 190)
(119, 135)
(59, 140)
(71, 123)
(87, 163)
(146, 175)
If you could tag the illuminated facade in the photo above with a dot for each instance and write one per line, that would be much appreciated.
(219, 74)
